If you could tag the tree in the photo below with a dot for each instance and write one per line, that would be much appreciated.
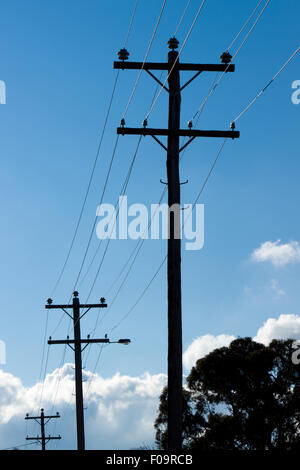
(239, 397)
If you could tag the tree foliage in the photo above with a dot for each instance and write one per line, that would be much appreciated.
(240, 397)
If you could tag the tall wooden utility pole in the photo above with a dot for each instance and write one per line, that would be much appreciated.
(43, 439)
(75, 345)
(173, 67)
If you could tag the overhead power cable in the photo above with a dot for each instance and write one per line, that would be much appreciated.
(175, 62)
(244, 26)
(141, 241)
(205, 183)
(116, 143)
(19, 446)
(131, 23)
(86, 196)
(267, 85)
(157, 96)
(217, 80)
(145, 58)
(118, 208)
(95, 220)
(95, 162)
(88, 187)
(182, 17)
(151, 108)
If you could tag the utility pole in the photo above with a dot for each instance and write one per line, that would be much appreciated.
(43, 439)
(173, 133)
(76, 345)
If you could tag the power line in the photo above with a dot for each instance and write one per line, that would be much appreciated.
(94, 370)
(182, 17)
(95, 220)
(122, 191)
(88, 187)
(204, 185)
(108, 241)
(44, 377)
(19, 446)
(140, 243)
(95, 161)
(173, 149)
(141, 295)
(244, 26)
(94, 166)
(145, 58)
(44, 347)
(103, 257)
(151, 107)
(216, 82)
(153, 102)
(165, 258)
(83, 207)
(179, 53)
(116, 143)
(268, 84)
(130, 24)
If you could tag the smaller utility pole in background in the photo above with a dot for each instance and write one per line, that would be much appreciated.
(76, 345)
(43, 439)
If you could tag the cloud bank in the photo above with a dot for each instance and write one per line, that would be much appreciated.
(277, 253)
(284, 327)
(120, 409)
(204, 345)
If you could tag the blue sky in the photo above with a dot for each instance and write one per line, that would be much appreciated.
(56, 61)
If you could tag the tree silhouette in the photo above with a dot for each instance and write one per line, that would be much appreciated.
(244, 396)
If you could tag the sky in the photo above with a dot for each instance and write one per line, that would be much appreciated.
(57, 65)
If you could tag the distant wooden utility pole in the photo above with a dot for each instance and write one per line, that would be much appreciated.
(75, 345)
(173, 67)
(43, 439)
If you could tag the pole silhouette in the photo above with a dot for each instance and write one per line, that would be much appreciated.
(173, 133)
(43, 439)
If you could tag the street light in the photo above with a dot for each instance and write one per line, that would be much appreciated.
(125, 341)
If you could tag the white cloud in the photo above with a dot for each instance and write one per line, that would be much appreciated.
(202, 346)
(277, 253)
(284, 327)
(120, 410)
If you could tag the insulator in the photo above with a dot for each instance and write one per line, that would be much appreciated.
(173, 43)
(122, 122)
(190, 124)
(232, 125)
(123, 54)
(226, 57)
